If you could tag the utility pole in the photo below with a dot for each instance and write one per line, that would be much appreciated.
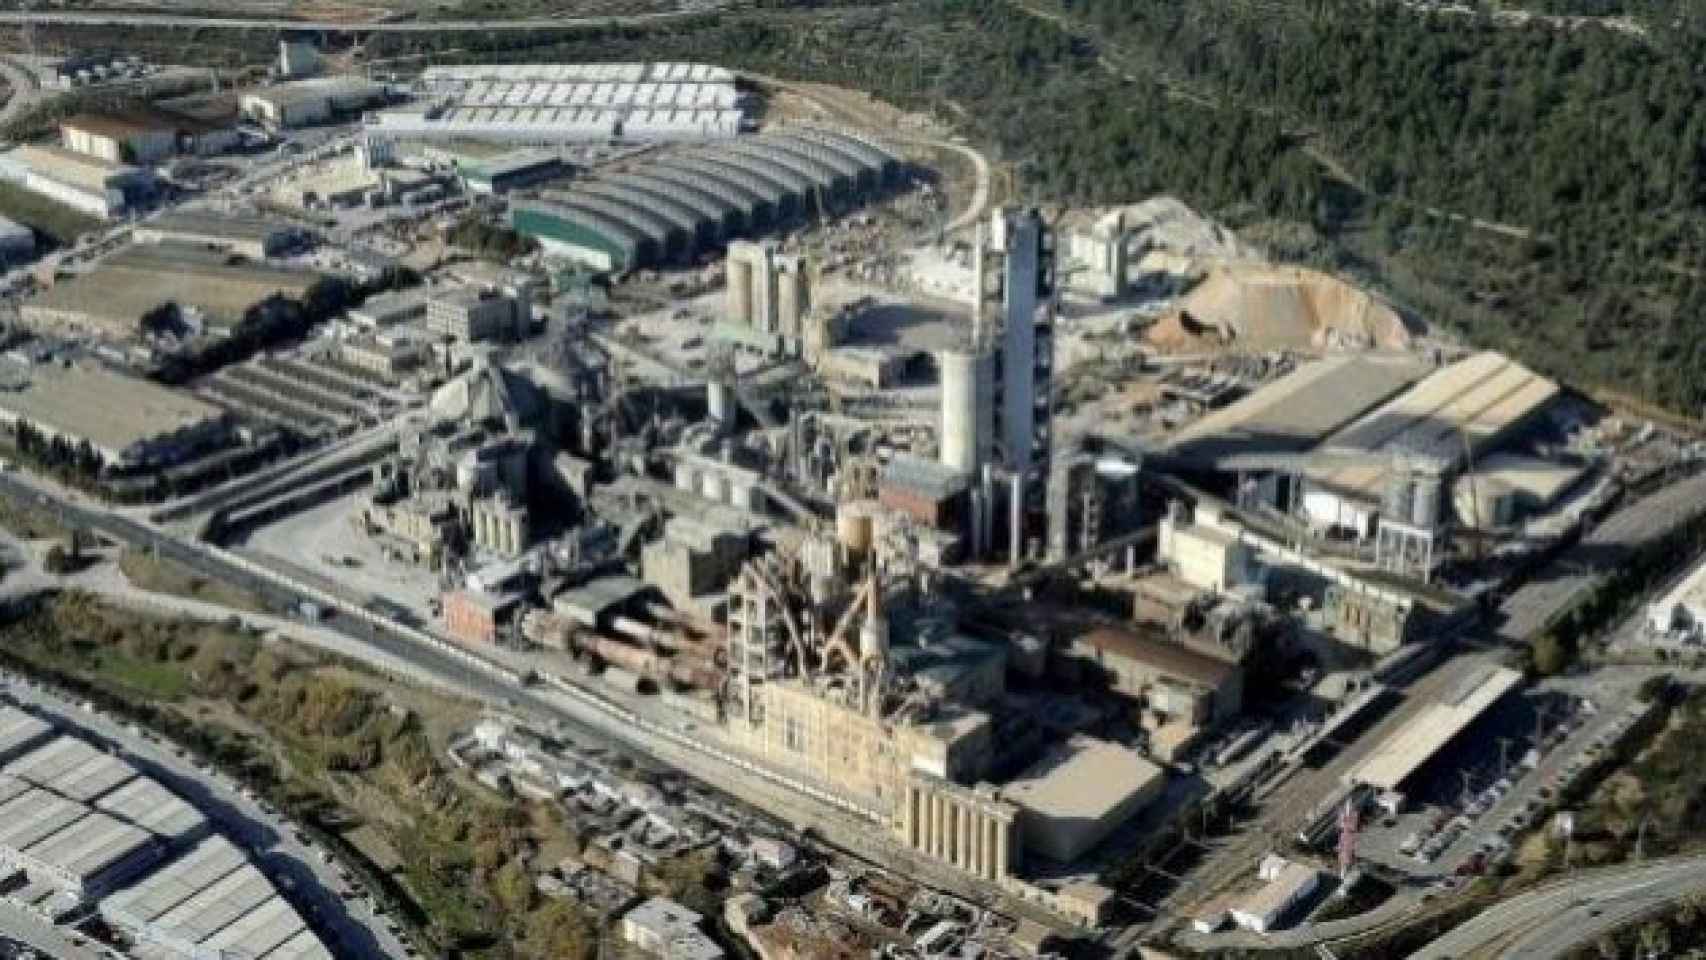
(1504, 756)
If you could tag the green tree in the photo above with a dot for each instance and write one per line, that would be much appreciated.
(1549, 655)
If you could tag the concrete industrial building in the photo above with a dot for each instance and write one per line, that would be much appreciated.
(1078, 793)
(1205, 689)
(134, 138)
(1204, 556)
(676, 203)
(87, 184)
(254, 237)
(389, 309)
(470, 315)
(129, 422)
(568, 103)
(388, 354)
(306, 102)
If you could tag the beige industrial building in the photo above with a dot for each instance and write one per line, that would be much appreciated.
(874, 368)
(130, 422)
(1206, 557)
(133, 138)
(1078, 793)
(692, 562)
(306, 102)
(88, 184)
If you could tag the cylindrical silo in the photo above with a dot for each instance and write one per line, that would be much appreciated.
(720, 399)
(1398, 501)
(740, 292)
(855, 527)
(1426, 503)
(962, 372)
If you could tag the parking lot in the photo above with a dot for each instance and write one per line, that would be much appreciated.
(1465, 810)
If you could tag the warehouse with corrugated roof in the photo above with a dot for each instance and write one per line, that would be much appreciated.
(673, 206)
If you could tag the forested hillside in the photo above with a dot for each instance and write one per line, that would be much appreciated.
(1539, 188)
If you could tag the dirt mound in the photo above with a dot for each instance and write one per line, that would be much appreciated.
(1254, 307)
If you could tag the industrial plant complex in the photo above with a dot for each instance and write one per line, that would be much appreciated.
(1057, 576)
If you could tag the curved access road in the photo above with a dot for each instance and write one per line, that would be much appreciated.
(1555, 919)
(100, 18)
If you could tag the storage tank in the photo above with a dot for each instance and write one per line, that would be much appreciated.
(740, 292)
(721, 402)
(1426, 501)
(1398, 502)
(794, 300)
(855, 527)
(962, 392)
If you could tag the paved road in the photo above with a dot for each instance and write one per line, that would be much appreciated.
(688, 8)
(1552, 920)
(1530, 608)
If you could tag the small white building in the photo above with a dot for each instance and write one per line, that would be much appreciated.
(1683, 607)
(1287, 885)
(1204, 556)
(664, 928)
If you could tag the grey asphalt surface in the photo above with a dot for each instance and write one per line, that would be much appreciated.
(1551, 921)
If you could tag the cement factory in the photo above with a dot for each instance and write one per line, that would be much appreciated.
(1008, 548)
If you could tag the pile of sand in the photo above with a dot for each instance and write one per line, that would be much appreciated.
(1255, 307)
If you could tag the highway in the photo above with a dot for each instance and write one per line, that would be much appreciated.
(93, 18)
(1553, 920)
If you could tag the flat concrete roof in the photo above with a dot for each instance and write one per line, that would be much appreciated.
(1405, 751)
(111, 410)
(1299, 410)
(1172, 659)
(1083, 779)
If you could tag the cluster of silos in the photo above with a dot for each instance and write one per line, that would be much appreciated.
(768, 291)
(499, 526)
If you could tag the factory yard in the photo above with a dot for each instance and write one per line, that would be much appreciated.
(323, 545)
